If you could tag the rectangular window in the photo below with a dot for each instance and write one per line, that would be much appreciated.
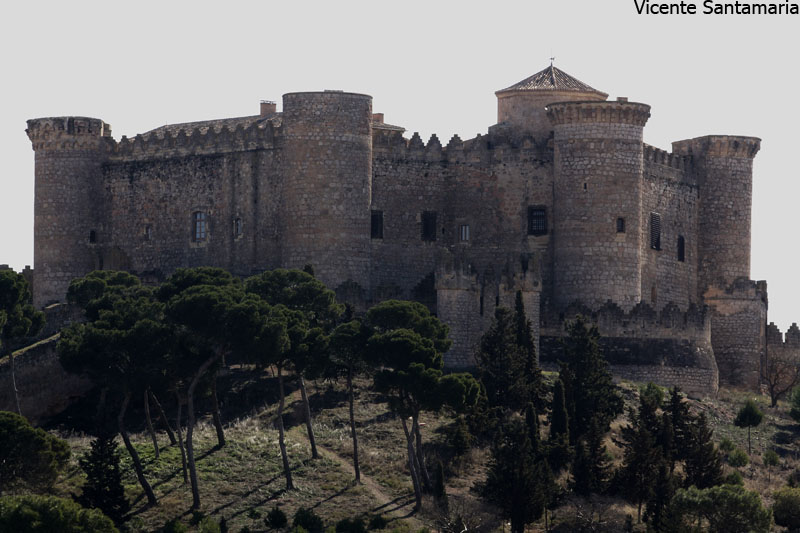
(238, 229)
(199, 226)
(429, 225)
(620, 225)
(376, 225)
(681, 249)
(537, 220)
(655, 231)
(463, 232)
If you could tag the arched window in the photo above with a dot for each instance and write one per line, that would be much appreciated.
(199, 229)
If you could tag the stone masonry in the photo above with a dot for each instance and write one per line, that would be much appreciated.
(561, 200)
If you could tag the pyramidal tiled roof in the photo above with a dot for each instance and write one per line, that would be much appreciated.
(550, 79)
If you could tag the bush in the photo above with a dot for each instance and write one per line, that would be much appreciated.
(31, 457)
(733, 478)
(356, 525)
(459, 438)
(794, 404)
(209, 525)
(786, 508)
(35, 514)
(276, 519)
(771, 458)
(378, 522)
(308, 520)
(174, 526)
(738, 458)
(726, 445)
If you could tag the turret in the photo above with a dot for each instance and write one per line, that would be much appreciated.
(597, 214)
(326, 162)
(69, 154)
(724, 169)
(522, 106)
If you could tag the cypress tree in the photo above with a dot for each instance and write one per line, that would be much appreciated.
(532, 423)
(527, 350)
(103, 488)
(703, 465)
(657, 512)
(558, 451)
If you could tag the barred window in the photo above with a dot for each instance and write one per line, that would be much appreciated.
(463, 232)
(681, 249)
(376, 225)
(537, 220)
(199, 227)
(655, 231)
(429, 225)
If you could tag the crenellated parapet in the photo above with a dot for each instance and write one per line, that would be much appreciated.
(776, 339)
(199, 140)
(619, 112)
(669, 159)
(719, 146)
(69, 134)
(642, 321)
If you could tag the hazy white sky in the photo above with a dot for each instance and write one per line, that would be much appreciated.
(431, 66)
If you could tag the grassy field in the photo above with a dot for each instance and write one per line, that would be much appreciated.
(243, 480)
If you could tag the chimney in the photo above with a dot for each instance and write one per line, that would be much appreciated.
(377, 117)
(622, 98)
(268, 107)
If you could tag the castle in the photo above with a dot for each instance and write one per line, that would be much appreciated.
(560, 200)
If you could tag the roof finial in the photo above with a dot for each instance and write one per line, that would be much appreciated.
(552, 58)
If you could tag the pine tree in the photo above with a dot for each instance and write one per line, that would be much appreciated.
(527, 348)
(657, 513)
(103, 488)
(558, 449)
(502, 364)
(749, 416)
(641, 456)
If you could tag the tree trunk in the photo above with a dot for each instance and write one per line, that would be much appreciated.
(100, 414)
(307, 412)
(287, 471)
(150, 422)
(180, 439)
(137, 464)
(351, 400)
(190, 430)
(216, 416)
(13, 378)
(749, 450)
(411, 465)
(426, 478)
(163, 416)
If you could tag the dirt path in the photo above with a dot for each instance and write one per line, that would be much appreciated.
(400, 508)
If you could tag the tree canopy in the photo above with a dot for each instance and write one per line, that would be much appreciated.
(30, 457)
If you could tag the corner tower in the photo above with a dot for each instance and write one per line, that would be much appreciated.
(597, 197)
(522, 106)
(69, 154)
(326, 162)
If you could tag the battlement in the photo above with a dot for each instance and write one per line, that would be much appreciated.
(662, 157)
(642, 321)
(740, 289)
(198, 140)
(777, 339)
(69, 133)
(458, 272)
(732, 146)
(619, 112)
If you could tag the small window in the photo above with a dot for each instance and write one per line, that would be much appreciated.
(537, 220)
(148, 232)
(429, 226)
(238, 229)
(655, 231)
(199, 232)
(376, 225)
(93, 236)
(620, 225)
(463, 232)
(681, 249)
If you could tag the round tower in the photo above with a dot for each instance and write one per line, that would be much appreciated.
(597, 201)
(326, 161)
(522, 106)
(69, 154)
(723, 165)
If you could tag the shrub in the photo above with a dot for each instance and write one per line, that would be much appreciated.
(459, 439)
(209, 525)
(738, 458)
(378, 522)
(786, 508)
(733, 478)
(34, 514)
(276, 519)
(174, 526)
(794, 404)
(771, 458)
(308, 520)
(726, 445)
(31, 457)
(347, 525)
